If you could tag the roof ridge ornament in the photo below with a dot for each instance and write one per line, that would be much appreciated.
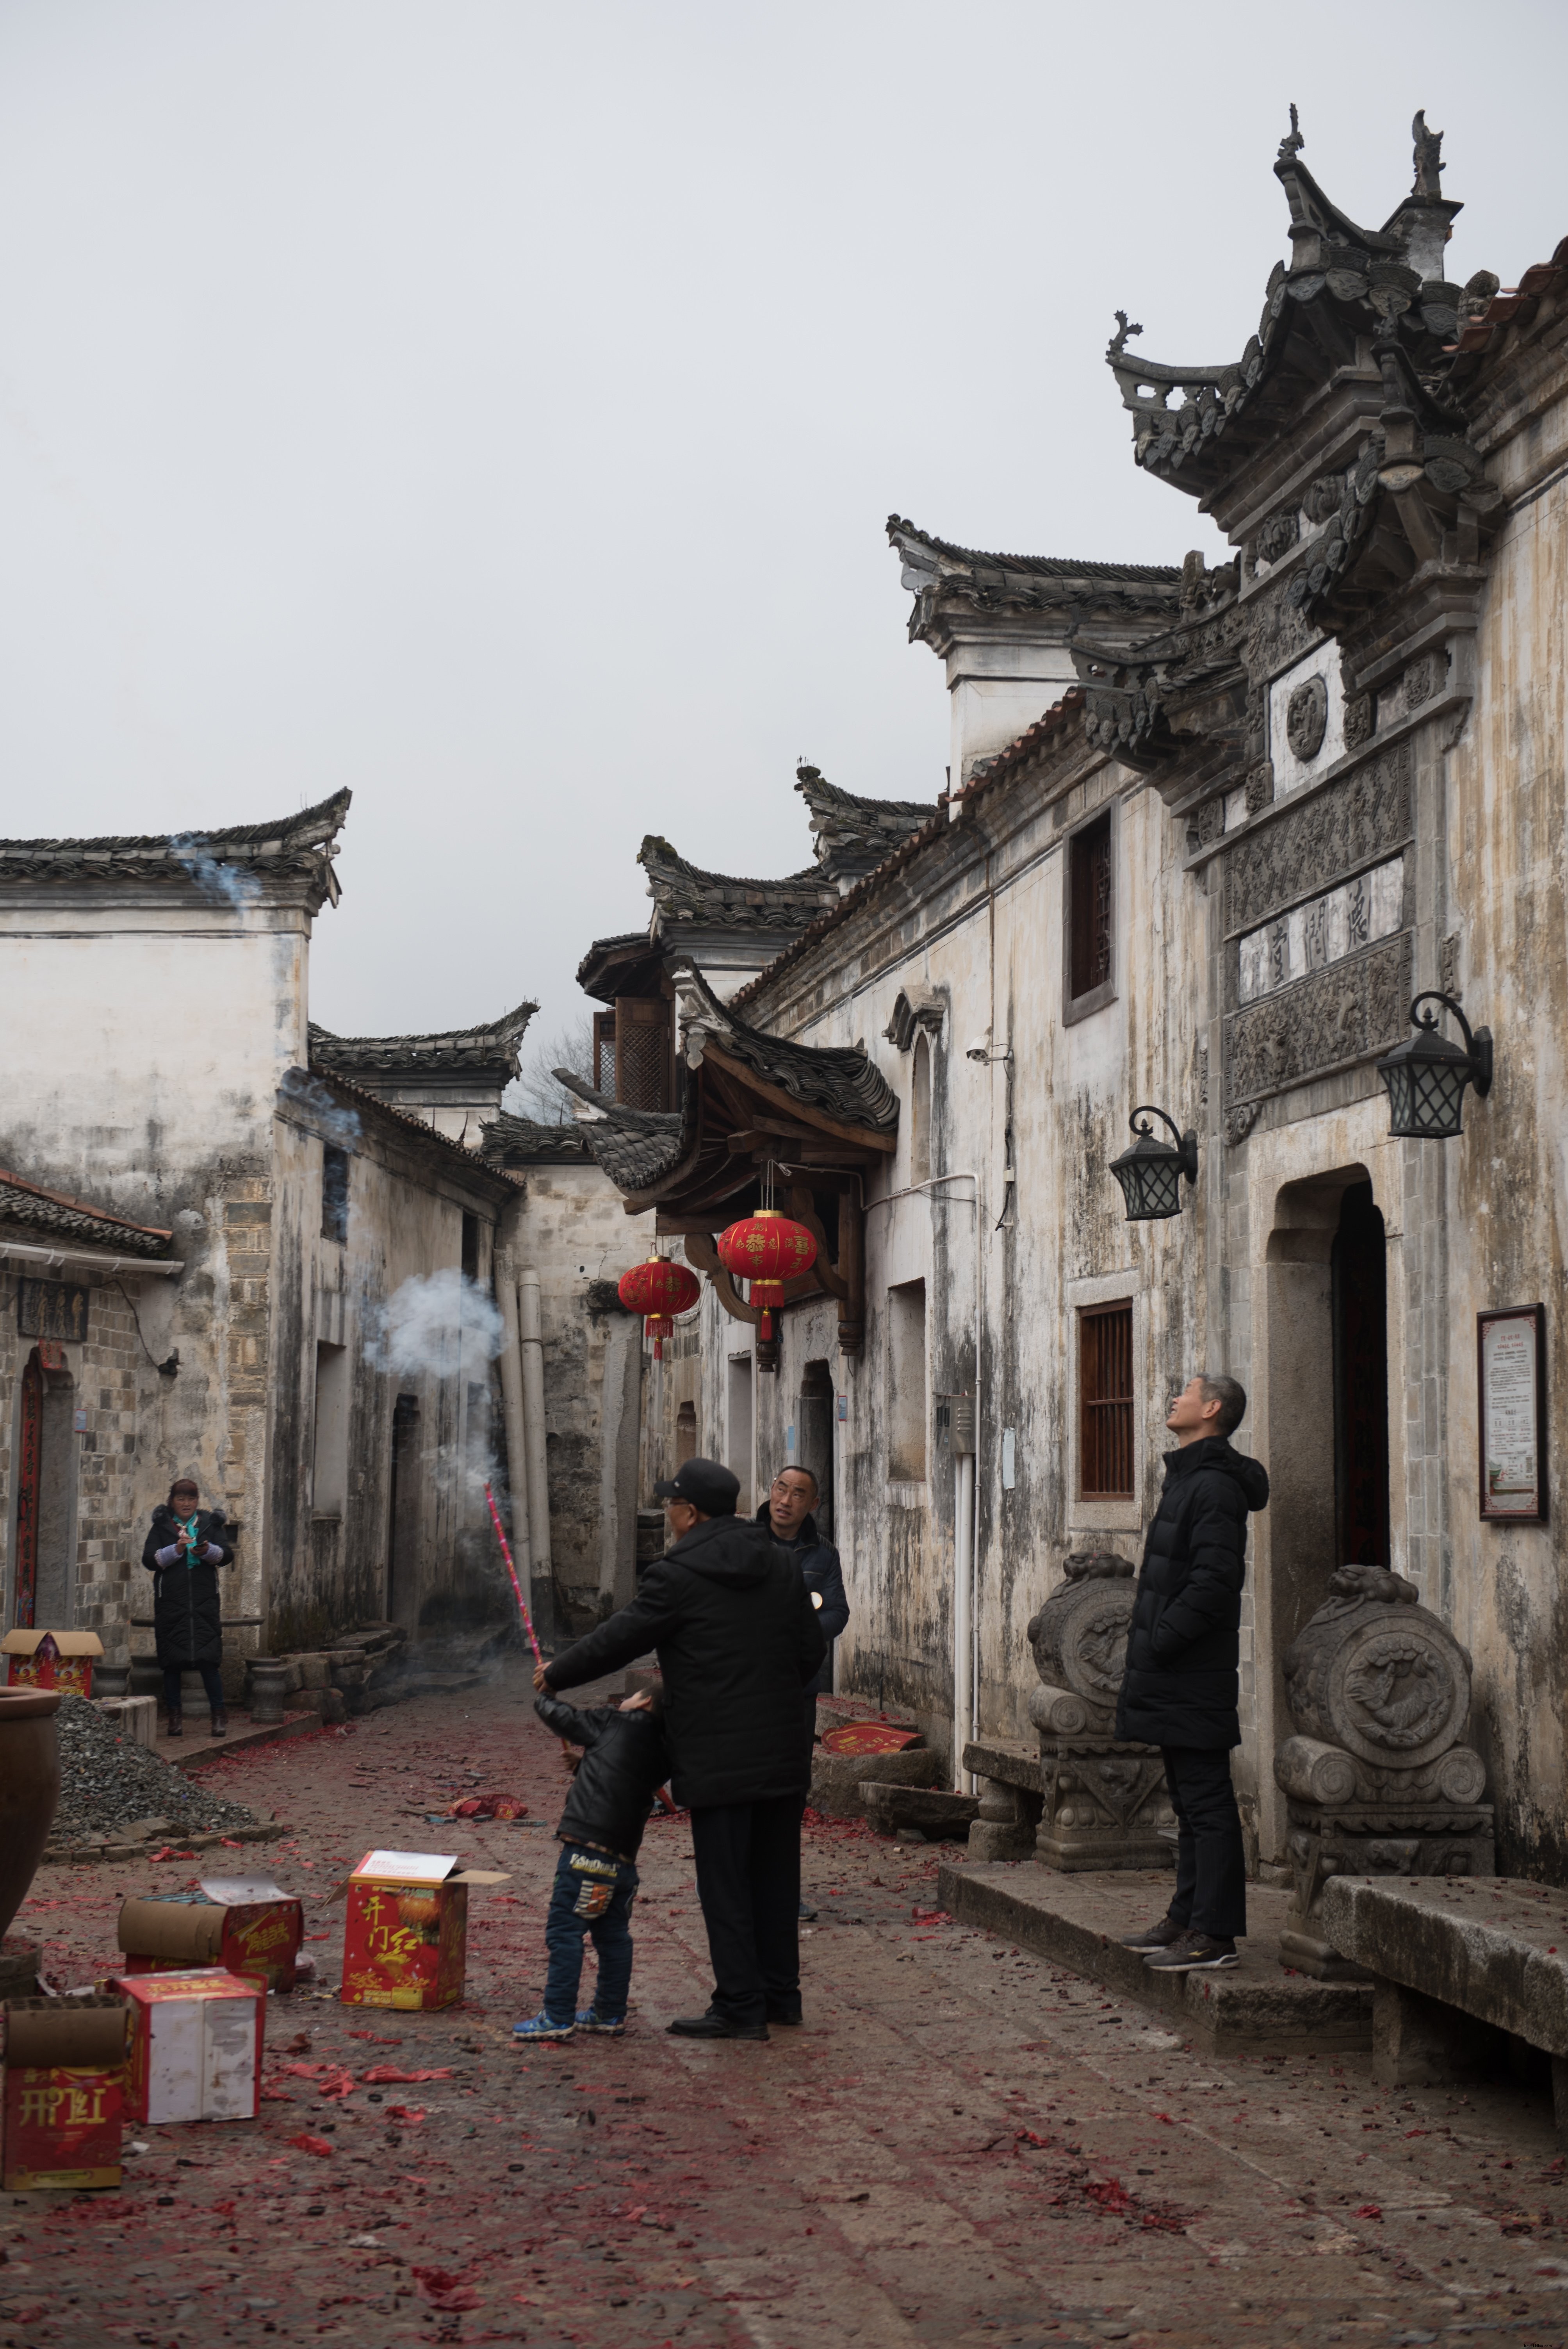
(1428, 159)
(1290, 147)
(1118, 341)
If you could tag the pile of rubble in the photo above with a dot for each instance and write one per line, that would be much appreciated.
(351, 1672)
(112, 1789)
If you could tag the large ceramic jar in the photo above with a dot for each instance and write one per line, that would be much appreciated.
(29, 1789)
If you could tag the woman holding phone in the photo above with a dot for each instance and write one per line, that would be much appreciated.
(183, 1552)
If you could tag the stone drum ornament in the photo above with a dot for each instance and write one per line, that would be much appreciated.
(1105, 1800)
(1306, 717)
(1379, 1777)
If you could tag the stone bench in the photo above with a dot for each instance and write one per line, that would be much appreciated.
(1455, 1963)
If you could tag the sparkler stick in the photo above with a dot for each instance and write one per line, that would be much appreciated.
(506, 1553)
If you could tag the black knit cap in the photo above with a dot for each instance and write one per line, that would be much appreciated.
(706, 1485)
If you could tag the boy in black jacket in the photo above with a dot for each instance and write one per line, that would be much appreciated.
(625, 1759)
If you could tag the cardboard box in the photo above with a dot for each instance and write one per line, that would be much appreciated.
(195, 2046)
(60, 2108)
(405, 1941)
(246, 1924)
(62, 1659)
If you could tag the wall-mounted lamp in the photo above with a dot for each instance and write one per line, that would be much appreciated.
(1150, 1173)
(979, 1049)
(1426, 1075)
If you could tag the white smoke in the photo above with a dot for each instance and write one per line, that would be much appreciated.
(439, 1322)
(235, 885)
(340, 1125)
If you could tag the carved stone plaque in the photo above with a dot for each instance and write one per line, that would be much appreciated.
(1306, 717)
(1327, 1022)
(1305, 848)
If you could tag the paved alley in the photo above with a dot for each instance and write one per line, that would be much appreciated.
(962, 2144)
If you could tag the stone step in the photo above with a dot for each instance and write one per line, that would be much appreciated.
(1257, 2009)
(890, 1806)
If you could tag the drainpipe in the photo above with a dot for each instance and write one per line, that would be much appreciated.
(511, 1411)
(532, 1335)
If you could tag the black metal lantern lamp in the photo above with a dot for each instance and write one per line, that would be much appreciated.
(1150, 1173)
(1426, 1075)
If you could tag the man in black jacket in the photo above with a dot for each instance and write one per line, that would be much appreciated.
(737, 1640)
(787, 1513)
(1180, 1687)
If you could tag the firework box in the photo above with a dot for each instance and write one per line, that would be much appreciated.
(246, 1924)
(60, 2108)
(195, 2045)
(52, 1659)
(405, 1933)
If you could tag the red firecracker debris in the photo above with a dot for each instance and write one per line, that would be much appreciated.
(1368, 2210)
(450, 2293)
(385, 2076)
(304, 2143)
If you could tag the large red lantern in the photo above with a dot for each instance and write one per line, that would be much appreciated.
(767, 1249)
(658, 1290)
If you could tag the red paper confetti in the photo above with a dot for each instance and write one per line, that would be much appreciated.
(1368, 2210)
(307, 2144)
(385, 2076)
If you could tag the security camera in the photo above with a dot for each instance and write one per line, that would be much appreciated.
(978, 1048)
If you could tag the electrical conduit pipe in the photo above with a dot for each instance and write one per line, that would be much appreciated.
(532, 1331)
(512, 1412)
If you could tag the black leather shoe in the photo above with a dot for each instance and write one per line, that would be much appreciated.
(1164, 1936)
(790, 2014)
(176, 1726)
(715, 2026)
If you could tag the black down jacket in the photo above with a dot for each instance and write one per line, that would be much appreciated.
(1179, 1686)
(737, 1641)
(187, 1610)
(624, 1757)
(822, 1575)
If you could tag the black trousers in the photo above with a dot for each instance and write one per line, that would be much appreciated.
(1210, 1865)
(748, 1882)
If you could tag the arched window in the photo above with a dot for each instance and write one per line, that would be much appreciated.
(920, 1112)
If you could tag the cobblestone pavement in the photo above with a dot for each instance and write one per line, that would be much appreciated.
(963, 2146)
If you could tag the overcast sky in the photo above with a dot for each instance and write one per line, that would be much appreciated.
(496, 406)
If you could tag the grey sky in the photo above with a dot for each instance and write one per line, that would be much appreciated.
(496, 406)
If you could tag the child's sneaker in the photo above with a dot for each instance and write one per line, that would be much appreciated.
(591, 2020)
(539, 2027)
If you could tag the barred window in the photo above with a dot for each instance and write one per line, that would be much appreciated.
(1105, 1402)
(1090, 910)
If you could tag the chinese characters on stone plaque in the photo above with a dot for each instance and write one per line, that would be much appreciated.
(1512, 1364)
(52, 1309)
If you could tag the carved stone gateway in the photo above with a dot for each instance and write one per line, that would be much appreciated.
(1378, 1780)
(1105, 1800)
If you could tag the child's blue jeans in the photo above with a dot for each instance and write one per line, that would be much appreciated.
(593, 1894)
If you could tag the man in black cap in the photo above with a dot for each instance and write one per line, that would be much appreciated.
(737, 1640)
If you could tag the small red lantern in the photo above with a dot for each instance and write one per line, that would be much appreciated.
(658, 1290)
(767, 1249)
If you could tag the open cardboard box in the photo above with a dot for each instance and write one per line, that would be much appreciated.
(64, 2086)
(247, 1924)
(55, 1659)
(405, 1939)
(195, 2045)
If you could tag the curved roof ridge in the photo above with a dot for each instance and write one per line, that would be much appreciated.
(1040, 566)
(310, 827)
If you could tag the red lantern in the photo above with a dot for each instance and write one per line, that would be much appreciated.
(767, 1249)
(658, 1290)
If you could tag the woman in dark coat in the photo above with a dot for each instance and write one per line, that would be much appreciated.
(182, 1553)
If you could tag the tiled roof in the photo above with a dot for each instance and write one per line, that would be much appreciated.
(511, 1142)
(854, 835)
(1054, 567)
(359, 1096)
(684, 894)
(492, 1046)
(636, 1147)
(1056, 721)
(1516, 307)
(839, 1080)
(53, 1213)
(300, 842)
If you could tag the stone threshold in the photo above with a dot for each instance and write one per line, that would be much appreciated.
(83, 1855)
(196, 1749)
(1256, 2009)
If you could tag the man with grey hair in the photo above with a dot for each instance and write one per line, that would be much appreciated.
(1180, 1687)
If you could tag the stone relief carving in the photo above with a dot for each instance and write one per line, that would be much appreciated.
(1449, 966)
(1260, 786)
(1306, 717)
(1361, 720)
(1239, 1122)
(1327, 1022)
(1322, 501)
(1211, 820)
(1357, 819)
(1278, 535)
(1104, 1800)
(1378, 1779)
(1421, 681)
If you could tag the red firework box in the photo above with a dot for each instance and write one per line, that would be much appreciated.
(64, 2090)
(52, 1659)
(246, 1924)
(195, 2045)
(405, 1941)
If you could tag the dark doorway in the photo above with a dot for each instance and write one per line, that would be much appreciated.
(1360, 1382)
(29, 1492)
(814, 1439)
(402, 1595)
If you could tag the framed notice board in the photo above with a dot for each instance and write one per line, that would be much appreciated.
(1510, 1347)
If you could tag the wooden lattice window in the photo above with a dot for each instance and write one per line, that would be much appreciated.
(1105, 1402)
(604, 1053)
(1091, 910)
(642, 1051)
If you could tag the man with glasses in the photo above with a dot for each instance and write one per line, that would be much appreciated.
(789, 1514)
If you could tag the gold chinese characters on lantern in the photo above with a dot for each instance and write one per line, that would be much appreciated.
(767, 1249)
(658, 1290)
